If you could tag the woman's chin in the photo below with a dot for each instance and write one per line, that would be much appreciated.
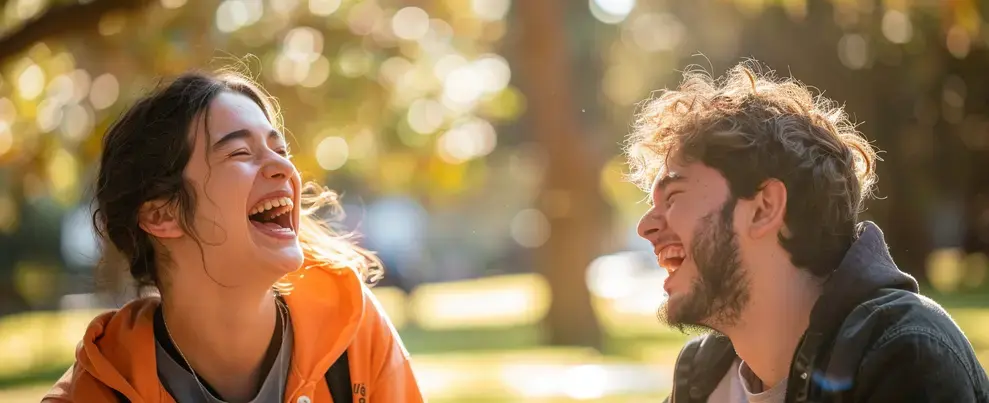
(285, 260)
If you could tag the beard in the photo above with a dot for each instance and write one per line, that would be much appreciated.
(720, 290)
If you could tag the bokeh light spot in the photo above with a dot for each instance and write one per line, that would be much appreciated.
(104, 92)
(530, 228)
(896, 27)
(332, 153)
(611, 11)
(172, 4)
(31, 82)
(853, 51)
(490, 10)
(323, 8)
(410, 23)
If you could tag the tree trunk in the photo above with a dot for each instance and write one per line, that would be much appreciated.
(570, 197)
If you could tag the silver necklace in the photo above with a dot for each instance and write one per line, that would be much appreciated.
(202, 388)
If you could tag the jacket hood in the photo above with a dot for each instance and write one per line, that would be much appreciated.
(118, 345)
(866, 268)
(326, 305)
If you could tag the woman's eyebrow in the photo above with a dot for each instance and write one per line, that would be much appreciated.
(241, 134)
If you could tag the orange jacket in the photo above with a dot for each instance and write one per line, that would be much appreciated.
(118, 350)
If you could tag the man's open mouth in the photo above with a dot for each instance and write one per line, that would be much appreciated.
(671, 257)
(272, 214)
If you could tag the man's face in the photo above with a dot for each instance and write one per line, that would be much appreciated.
(691, 227)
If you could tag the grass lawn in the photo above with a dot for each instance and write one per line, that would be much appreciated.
(491, 364)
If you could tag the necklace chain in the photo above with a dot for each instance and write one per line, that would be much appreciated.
(195, 377)
(202, 388)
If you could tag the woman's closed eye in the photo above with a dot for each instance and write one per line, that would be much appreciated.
(284, 152)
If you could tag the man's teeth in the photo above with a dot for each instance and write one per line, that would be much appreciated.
(672, 252)
(272, 203)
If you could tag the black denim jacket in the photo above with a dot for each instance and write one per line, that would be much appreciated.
(871, 338)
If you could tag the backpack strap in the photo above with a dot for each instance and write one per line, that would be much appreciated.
(702, 364)
(681, 373)
(831, 360)
(338, 380)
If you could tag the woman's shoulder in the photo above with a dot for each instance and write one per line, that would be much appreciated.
(117, 345)
(78, 385)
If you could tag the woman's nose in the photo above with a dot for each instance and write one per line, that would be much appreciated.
(277, 167)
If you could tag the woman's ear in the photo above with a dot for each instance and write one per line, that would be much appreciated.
(160, 219)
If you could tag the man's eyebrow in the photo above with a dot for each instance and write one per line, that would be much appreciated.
(241, 134)
(668, 180)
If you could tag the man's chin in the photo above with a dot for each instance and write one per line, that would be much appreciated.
(675, 313)
(669, 314)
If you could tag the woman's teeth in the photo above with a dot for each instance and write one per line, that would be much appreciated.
(272, 203)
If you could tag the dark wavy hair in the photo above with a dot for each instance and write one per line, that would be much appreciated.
(144, 156)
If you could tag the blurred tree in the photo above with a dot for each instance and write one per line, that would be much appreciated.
(396, 83)
(63, 19)
(570, 195)
(402, 98)
(38, 238)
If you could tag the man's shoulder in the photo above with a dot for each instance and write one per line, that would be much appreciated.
(906, 327)
(895, 315)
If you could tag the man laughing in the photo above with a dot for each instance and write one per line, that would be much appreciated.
(755, 186)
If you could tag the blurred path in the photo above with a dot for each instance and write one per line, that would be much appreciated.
(523, 376)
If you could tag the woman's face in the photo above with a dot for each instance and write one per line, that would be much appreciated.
(247, 193)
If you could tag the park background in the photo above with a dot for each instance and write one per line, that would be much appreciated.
(477, 145)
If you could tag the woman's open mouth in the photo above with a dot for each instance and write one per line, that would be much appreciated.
(271, 216)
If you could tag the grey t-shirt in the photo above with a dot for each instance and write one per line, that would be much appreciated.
(182, 385)
(739, 382)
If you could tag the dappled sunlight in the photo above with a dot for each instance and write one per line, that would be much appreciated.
(477, 149)
(571, 375)
(529, 374)
(493, 302)
(951, 269)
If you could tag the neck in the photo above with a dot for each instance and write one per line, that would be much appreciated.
(774, 320)
(223, 333)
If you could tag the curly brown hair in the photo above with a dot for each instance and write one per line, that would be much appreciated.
(752, 126)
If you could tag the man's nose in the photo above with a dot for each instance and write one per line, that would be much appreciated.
(651, 223)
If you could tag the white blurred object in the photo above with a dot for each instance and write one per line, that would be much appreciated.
(583, 381)
(625, 274)
(611, 11)
(80, 246)
(490, 10)
(80, 301)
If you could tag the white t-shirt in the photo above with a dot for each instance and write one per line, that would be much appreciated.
(738, 384)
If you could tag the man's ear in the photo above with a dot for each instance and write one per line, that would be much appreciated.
(770, 209)
(160, 219)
